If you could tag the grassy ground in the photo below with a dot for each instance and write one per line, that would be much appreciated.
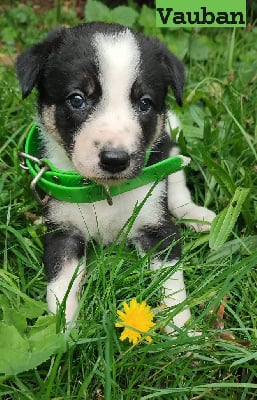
(37, 360)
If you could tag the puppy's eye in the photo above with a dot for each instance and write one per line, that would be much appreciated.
(76, 101)
(145, 104)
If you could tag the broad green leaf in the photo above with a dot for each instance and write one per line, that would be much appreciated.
(147, 17)
(9, 35)
(124, 15)
(178, 42)
(200, 48)
(15, 318)
(43, 323)
(32, 308)
(21, 353)
(224, 222)
(97, 11)
(192, 132)
(14, 350)
(45, 341)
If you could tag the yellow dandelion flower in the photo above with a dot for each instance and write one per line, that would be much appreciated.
(136, 320)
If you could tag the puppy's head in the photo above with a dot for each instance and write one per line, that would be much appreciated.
(102, 91)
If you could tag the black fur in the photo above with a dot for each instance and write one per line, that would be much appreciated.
(163, 238)
(61, 244)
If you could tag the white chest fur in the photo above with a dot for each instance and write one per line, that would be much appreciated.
(103, 222)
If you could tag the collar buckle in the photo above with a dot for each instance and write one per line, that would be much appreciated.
(33, 186)
(25, 156)
(43, 168)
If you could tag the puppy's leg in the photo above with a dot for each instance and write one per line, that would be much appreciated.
(174, 292)
(63, 251)
(179, 198)
(161, 237)
(180, 202)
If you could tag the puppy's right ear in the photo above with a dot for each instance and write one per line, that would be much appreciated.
(30, 64)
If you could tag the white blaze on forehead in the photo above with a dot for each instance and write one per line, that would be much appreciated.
(118, 57)
(114, 123)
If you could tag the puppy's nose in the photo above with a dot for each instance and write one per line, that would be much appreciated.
(114, 160)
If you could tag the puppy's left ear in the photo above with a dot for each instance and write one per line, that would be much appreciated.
(174, 73)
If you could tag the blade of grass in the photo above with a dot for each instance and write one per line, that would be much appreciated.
(246, 136)
(224, 222)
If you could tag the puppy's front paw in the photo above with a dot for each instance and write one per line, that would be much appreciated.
(201, 218)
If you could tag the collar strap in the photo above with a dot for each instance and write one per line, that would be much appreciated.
(71, 187)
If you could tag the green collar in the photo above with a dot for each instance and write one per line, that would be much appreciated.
(71, 187)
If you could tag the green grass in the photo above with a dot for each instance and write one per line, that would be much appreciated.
(89, 361)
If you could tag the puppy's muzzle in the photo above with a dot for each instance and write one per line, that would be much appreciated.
(114, 160)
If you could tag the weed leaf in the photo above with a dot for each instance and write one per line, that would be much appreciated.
(15, 318)
(14, 350)
(124, 15)
(96, 11)
(23, 352)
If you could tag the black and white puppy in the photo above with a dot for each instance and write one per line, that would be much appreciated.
(102, 91)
